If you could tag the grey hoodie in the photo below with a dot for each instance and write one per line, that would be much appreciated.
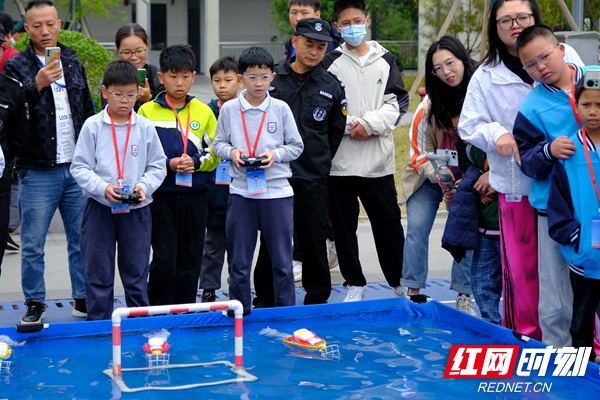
(94, 164)
(279, 134)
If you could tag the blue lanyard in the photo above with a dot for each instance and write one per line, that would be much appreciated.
(42, 65)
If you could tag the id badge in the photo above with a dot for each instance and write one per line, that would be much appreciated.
(122, 208)
(257, 181)
(222, 176)
(183, 180)
(595, 232)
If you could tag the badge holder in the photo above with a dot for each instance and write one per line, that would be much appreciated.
(257, 181)
(183, 180)
(595, 232)
(121, 208)
(222, 176)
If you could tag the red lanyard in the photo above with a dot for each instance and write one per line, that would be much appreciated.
(184, 136)
(120, 168)
(572, 98)
(589, 163)
(252, 150)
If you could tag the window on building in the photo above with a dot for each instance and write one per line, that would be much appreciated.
(158, 26)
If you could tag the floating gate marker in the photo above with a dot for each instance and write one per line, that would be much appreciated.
(116, 373)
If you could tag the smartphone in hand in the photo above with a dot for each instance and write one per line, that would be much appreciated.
(142, 72)
(53, 53)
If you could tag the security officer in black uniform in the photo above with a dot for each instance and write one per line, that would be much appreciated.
(318, 102)
(14, 132)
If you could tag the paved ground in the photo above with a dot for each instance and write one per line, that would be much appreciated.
(57, 275)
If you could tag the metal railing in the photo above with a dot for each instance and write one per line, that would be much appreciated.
(234, 49)
(406, 52)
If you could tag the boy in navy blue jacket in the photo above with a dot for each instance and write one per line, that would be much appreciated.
(574, 217)
(225, 82)
(186, 128)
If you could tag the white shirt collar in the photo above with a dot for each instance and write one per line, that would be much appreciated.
(246, 106)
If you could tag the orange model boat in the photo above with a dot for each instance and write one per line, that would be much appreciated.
(305, 339)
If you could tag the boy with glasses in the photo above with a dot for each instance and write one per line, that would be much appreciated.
(546, 116)
(259, 130)
(117, 151)
(186, 128)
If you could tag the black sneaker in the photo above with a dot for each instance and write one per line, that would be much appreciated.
(34, 314)
(208, 296)
(80, 309)
(12, 245)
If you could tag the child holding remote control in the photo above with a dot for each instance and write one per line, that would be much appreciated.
(117, 151)
(257, 125)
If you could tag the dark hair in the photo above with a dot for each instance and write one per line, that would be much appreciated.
(579, 89)
(316, 4)
(177, 58)
(496, 47)
(441, 95)
(226, 63)
(131, 30)
(341, 5)
(120, 73)
(255, 57)
(38, 3)
(7, 22)
(532, 32)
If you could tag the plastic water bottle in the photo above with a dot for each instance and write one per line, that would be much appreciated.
(513, 181)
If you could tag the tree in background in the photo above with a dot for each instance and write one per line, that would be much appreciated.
(466, 25)
(390, 19)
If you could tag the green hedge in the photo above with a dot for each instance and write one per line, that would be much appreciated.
(93, 56)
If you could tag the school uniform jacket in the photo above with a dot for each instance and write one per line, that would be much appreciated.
(545, 115)
(319, 108)
(571, 205)
(94, 164)
(377, 99)
(201, 135)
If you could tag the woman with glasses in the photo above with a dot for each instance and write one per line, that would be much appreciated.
(494, 96)
(133, 45)
(450, 68)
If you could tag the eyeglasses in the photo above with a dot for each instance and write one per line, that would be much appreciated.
(522, 20)
(139, 53)
(450, 64)
(120, 96)
(350, 23)
(532, 65)
(253, 79)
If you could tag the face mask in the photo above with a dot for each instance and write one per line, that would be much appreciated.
(12, 40)
(354, 34)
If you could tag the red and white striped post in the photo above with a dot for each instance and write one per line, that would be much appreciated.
(121, 313)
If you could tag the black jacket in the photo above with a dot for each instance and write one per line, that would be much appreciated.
(41, 147)
(14, 126)
(318, 105)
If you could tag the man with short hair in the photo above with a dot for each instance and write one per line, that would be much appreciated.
(318, 101)
(60, 102)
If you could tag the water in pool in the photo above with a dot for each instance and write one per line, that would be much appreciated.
(380, 359)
